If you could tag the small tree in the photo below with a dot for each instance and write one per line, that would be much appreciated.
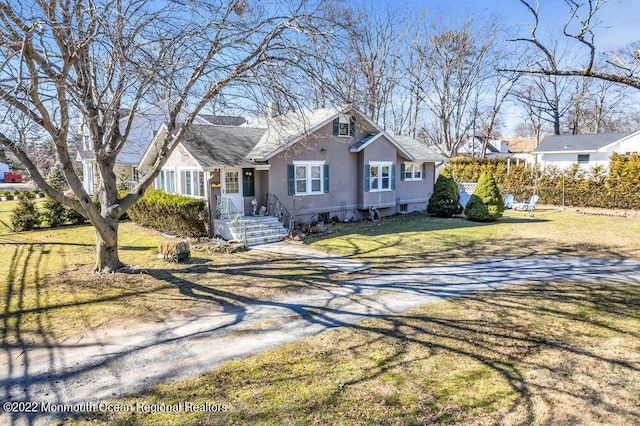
(445, 201)
(25, 215)
(486, 203)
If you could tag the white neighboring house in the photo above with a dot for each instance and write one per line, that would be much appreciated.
(3, 168)
(145, 125)
(563, 151)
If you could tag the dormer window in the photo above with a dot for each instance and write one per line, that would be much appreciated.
(343, 126)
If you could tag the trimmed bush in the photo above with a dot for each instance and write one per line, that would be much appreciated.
(25, 215)
(170, 213)
(486, 203)
(445, 200)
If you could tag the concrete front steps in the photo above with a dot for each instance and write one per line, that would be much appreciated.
(259, 230)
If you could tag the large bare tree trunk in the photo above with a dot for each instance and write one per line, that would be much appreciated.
(107, 257)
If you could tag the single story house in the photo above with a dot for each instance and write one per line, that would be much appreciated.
(521, 148)
(317, 164)
(588, 151)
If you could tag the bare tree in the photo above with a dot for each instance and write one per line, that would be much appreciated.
(78, 62)
(622, 67)
(456, 64)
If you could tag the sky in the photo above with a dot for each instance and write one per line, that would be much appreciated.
(620, 18)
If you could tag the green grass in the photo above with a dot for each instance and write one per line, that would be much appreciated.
(418, 240)
(516, 355)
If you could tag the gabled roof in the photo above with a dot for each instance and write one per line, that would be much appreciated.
(218, 146)
(285, 130)
(578, 143)
(521, 145)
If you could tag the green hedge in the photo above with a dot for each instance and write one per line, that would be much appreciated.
(170, 213)
(576, 187)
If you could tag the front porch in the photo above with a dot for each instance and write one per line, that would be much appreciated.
(229, 223)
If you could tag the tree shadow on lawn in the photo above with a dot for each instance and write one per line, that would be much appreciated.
(340, 306)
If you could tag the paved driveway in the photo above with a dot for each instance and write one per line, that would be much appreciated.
(110, 363)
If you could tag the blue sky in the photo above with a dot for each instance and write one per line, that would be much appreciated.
(620, 18)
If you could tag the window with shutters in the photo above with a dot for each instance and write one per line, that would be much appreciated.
(413, 171)
(343, 126)
(309, 177)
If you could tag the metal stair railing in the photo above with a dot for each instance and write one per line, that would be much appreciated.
(226, 209)
(276, 209)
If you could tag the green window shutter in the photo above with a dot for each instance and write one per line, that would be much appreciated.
(291, 179)
(248, 182)
(402, 170)
(336, 127)
(326, 178)
(393, 176)
(352, 127)
(424, 171)
(367, 178)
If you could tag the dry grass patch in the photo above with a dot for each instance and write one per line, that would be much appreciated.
(50, 294)
(534, 354)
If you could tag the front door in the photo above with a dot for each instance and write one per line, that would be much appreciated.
(232, 187)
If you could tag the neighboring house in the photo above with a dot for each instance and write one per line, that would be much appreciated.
(320, 164)
(145, 125)
(495, 148)
(521, 148)
(588, 151)
(3, 168)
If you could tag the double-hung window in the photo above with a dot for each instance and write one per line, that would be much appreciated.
(308, 178)
(380, 176)
(192, 183)
(413, 171)
(166, 181)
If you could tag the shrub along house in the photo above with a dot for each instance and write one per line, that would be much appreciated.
(316, 165)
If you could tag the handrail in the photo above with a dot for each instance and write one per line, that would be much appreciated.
(226, 209)
(276, 209)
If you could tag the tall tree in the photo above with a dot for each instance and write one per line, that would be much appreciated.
(96, 63)
(457, 64)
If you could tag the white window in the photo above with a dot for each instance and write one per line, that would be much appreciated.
(344, 126)
(166, 181)
(413, 171)
(192, 183)
(380, 176)
(309, 178)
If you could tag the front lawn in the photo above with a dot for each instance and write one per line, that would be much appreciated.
(540, 354)
(50, 294)
(419, 240)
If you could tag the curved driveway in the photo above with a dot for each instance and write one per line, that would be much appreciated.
(116, 362)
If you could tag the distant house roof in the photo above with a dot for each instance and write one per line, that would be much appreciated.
(579, 143)
(218, 146)
(521, 145)
(224, 120)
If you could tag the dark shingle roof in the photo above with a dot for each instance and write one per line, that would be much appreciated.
(572, 143)
(215, 146)
(224, 120)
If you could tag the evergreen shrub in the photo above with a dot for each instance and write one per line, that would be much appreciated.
(486, 203)
(170, 213)
(445, 200)
(25, 216)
